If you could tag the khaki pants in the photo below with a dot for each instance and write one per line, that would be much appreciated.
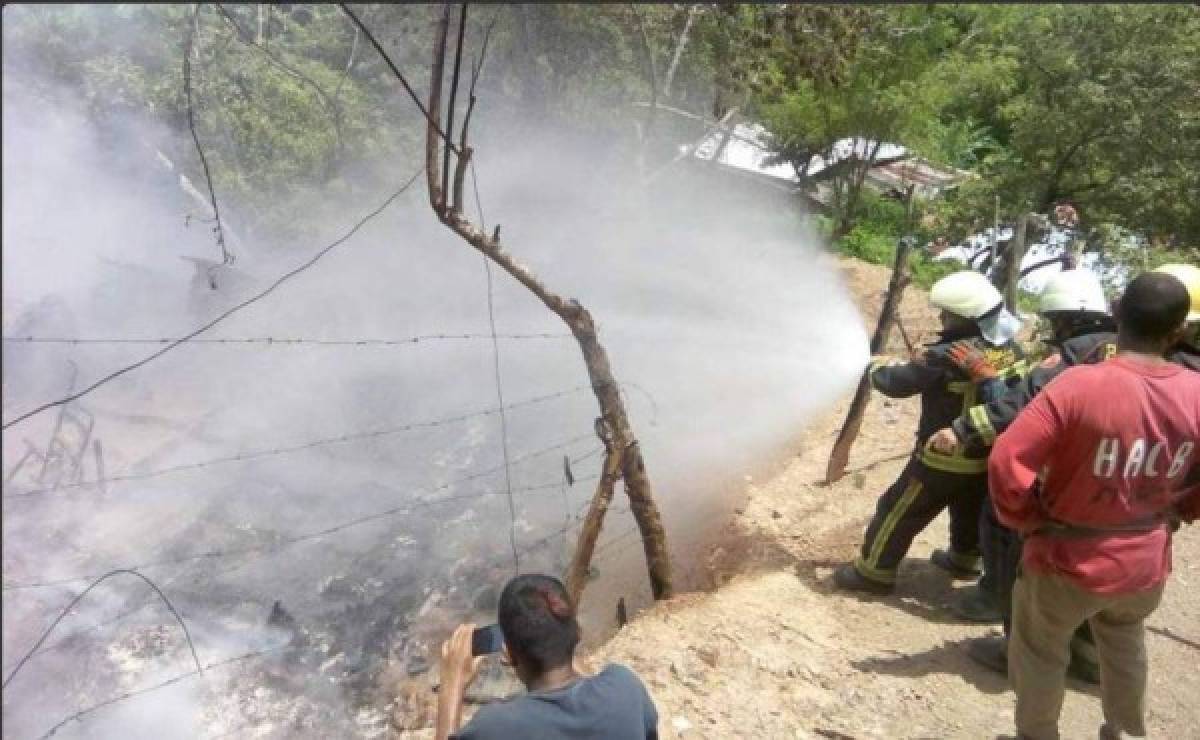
(1046, 610)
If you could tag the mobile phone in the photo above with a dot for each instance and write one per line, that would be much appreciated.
(486, 640)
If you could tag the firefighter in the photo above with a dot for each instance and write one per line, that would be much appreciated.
(1082, 332)
(974, 319)
(1187, 351)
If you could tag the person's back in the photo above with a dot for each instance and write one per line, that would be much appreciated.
(1128, 435)
(537, 621)
(611, 705)
(1096, 472)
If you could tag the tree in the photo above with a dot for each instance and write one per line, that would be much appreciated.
(1093, 105)
(623, 453)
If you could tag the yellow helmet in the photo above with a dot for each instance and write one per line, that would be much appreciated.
(1189, 275)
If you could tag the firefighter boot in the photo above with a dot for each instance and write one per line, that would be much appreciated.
(956, 564)
(977, 605)
(848, 577)
(990, 652)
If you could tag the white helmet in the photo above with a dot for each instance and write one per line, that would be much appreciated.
(1073, 291)
(965, 293)
(972, 296)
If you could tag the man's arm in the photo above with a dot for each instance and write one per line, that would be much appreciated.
(1018, 457)
(458, 669)
(978, 429)
(902, 379)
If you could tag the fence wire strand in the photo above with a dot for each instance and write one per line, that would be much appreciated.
(221, 317)
(268, 549)
(271, 452)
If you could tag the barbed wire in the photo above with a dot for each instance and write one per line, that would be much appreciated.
(221, 317)
(285, 341)
(286, 542)
(271, 452)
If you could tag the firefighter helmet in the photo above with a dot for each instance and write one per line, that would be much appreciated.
(1189, 275)
(965, 293)
(969, 294)
(1073, 291)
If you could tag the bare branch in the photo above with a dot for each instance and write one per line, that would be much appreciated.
(188, 46)
(396, 71)
(652, 69)
(574, 315)
(458, 46)
(585, 546)
(679, 47)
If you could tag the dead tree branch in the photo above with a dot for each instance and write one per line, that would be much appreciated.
(679, 47)
(589, 533)
(840, 454)
(188, 47)
(574, 315)
(652, 72)
(396, 71)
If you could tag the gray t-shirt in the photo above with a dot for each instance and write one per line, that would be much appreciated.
(611, 705)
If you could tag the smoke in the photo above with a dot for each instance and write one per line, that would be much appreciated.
(720, 313)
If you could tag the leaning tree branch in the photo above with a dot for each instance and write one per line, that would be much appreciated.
(188, 46)
(612, 407)
(396, 71)
(652, 72)
(589, 533)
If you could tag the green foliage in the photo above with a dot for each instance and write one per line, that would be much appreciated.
(870, 243)
(1094, 104)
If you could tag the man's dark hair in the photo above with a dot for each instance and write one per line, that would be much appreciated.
(538, 622)
(1154, 305)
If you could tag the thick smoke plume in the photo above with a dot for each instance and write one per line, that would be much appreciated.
(720, 313)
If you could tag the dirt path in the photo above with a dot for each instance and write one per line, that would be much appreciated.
(775, 652)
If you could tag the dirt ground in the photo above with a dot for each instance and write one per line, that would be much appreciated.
(774, 651)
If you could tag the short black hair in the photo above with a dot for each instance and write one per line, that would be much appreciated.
(538, 621)
(1154, 305)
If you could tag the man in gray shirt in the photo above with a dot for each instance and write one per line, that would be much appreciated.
(540, 637)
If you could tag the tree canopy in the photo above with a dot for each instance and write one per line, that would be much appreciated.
(1095, 105)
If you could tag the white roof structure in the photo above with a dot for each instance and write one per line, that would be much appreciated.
(977, 246)
(748, 150)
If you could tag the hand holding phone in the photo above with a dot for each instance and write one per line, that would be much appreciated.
(487, 640)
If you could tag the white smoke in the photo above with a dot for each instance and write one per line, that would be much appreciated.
(719, 312)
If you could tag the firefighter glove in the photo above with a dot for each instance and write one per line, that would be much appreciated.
(968, 358)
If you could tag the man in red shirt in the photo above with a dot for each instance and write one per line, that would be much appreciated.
(1095, 473)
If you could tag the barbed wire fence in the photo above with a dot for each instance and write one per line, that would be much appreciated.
(415, 499)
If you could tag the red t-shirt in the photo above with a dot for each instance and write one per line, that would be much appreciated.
(1112, 444)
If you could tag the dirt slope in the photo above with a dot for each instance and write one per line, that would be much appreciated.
(775, 652)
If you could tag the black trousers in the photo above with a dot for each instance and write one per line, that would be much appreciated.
(1002, 564)
(912, 502)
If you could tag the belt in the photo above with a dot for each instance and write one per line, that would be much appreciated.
(1062, 529)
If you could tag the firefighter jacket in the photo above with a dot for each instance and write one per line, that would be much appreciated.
(1187, 355)
(978, 428)
(946, 394)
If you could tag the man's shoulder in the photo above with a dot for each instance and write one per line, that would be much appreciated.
(1089, 349)
(618, 673)
(499, 719)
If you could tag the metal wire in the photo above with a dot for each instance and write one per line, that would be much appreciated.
(290, 541)
(249, 301)
(66, 610)
(352, 437)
